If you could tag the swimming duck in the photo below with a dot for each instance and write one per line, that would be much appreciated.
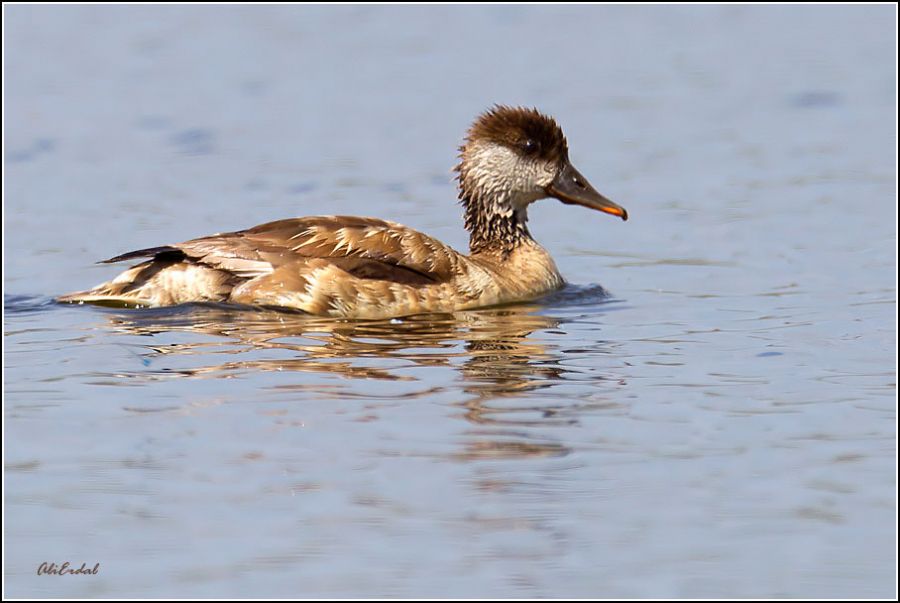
(352, 267)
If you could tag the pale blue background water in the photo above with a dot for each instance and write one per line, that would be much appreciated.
(724, 425)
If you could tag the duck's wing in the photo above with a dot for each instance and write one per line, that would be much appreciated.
(365, 247)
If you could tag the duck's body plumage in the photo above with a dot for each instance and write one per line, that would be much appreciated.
(347, 266)
(342, 266)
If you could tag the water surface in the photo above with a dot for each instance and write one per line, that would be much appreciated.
(707, 410)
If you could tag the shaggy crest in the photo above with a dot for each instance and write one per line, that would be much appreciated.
(527, 130)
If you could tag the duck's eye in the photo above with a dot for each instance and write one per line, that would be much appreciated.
(530, 147)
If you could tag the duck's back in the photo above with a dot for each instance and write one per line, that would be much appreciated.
(326, 265)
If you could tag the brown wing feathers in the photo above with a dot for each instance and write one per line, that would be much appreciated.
(366, 248)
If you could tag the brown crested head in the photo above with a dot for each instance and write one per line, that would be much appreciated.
(513, 156)
(528, 131)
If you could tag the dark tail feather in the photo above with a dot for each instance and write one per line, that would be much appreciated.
(164, 252)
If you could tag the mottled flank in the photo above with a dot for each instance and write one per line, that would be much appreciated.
(354, 267)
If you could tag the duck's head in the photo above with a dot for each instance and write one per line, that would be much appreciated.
(513, 156)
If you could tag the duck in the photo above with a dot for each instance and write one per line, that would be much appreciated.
(368, 268)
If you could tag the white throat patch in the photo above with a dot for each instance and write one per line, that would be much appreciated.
(497, 173)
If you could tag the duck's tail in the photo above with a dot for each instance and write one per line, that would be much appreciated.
(157, 282)
(101, 298)
(125, 290)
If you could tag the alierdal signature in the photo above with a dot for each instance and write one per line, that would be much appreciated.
(66, 569)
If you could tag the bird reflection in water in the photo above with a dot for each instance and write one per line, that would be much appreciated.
(493, 350)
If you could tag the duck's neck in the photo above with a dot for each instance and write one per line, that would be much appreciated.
(494, 225)
(495, 194)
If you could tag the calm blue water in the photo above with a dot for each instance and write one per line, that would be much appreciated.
(708, 410)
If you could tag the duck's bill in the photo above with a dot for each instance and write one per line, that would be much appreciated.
(573, 188)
